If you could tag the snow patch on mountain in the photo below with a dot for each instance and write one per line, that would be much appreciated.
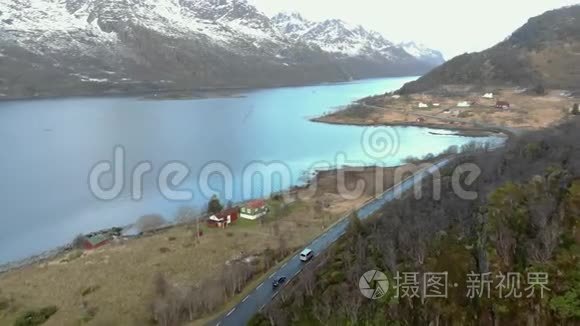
(422, 52)
(292, 24)
(197, 43)
(337, 36)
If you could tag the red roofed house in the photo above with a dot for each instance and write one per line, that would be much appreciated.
(96, 241)
(224, 218)
(254, 209)
(502, 105)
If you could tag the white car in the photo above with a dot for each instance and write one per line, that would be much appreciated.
(306, 255)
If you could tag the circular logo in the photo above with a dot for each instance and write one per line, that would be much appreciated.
(373, 284)
(380, 142)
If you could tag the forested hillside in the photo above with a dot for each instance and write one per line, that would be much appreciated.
(524, 222)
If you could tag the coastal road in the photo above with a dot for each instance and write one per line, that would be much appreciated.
(264, 293)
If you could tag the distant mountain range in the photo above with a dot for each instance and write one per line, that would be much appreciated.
(70, 47)
(544, 52)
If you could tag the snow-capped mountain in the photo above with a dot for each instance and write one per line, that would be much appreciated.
(422, 52)
(337, 36)
(66, 47)
(292, 24)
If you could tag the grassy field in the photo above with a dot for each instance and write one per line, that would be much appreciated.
(114, 285)
(527, 111)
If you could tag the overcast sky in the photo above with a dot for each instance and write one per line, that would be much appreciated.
(451, 26)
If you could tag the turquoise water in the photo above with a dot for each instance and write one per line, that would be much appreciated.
(50, 146)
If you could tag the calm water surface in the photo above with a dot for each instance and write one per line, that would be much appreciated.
(50, 146)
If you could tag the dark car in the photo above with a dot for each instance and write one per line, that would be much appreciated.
(279, 281)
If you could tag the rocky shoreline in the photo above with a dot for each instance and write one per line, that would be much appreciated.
(458, 130)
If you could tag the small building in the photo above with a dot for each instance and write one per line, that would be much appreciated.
(224, 218)
(436, 105)
(488, 95)
(254, 209)
(502, 105)
(396, 96)
(95, 241)
(422, 105)
(463, 104)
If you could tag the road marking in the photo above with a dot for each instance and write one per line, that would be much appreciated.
(246, 298)
(218, 324)
(262, 307)
(259, 286)
(284, 265)
(272, 274)
(231, 312)
(296, 273)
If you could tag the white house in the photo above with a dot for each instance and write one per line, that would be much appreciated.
(396, 96)
(254, 210)
(488, 95)
(422, 105)
(436, 105)
(463, 104)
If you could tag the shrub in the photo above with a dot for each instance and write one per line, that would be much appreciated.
(452, 150)
(74, 255)
(164, 250)
(428, 157)
(465, 114)
(214, 205)
(259, 320)
(411, 160)
(89, 290)
(4, 304)
(35, 317)
(277, 196)
(539, 90)
(78, 241)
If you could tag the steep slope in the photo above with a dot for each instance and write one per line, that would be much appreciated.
(525, 219)
(69, 47)
(360, 52)
(338, 37)
(423, 53)
(546, 51)
(292, 24)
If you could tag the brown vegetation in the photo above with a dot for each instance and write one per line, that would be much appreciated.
(528, 111)
(525, 219)
(115, 285)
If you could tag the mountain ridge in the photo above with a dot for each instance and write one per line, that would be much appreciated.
(77, 47)
(544, 52)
